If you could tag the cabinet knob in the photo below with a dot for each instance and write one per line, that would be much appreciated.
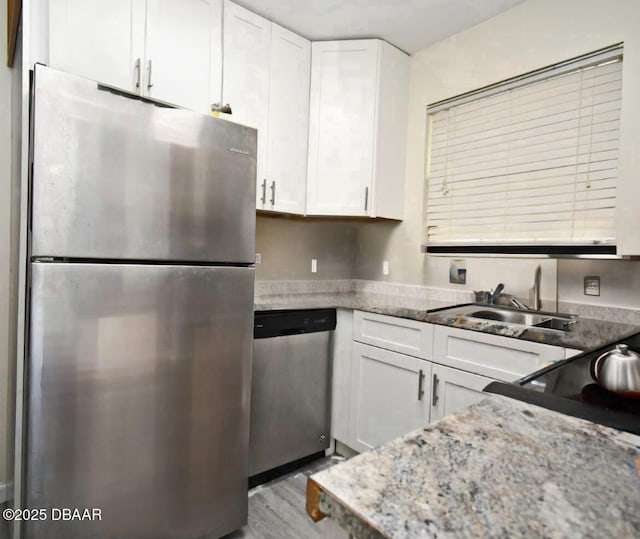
(137, 71)
(149, 83)
(420, 389)
(434, 399)
(263, 198)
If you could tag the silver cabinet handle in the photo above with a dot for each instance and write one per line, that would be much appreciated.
(420, 389)
(273, 193)
(434, 398)
(149, 83)
(137, 71)
(366, 198)
(263, 198)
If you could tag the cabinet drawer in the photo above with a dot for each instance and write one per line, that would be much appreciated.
(502, 358)
(397, 334)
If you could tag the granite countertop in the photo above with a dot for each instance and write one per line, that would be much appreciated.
(500, 468)
(586, 334)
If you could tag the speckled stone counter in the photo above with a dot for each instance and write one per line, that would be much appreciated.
(501, 468)
(402, 307)
(586, 334)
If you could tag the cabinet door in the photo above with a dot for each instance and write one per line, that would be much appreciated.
(245, 78)
(452, 390)
(341, 127)
(389, 396)
(181, 51)
(341, 354)
(288, 121)
(103, 41)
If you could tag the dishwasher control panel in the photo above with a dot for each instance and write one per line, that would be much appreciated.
(292, 322)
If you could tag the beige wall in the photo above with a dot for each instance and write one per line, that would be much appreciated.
(619, 282)
(527, 37)
(287, 246)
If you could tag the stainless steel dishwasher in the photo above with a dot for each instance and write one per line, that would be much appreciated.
(290, 387)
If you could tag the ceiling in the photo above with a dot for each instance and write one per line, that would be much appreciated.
(410, 25)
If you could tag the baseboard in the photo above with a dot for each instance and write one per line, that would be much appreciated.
(344, 450)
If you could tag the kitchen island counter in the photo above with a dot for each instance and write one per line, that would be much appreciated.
(500, 468)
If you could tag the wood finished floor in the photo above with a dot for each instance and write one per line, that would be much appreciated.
(276, 510)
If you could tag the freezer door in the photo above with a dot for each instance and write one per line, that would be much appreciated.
(138, 398)
(116, 177)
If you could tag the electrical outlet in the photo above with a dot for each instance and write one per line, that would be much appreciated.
(592, 285)
(258, 258)
(314, 265)
(385, 267)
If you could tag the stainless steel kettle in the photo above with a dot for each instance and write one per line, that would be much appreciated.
(618, 371)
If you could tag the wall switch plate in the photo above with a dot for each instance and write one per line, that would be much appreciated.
(385, 267)
(258, 258)
(592, 285)
(314, 265)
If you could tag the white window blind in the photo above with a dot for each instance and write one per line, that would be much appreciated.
(532, 161)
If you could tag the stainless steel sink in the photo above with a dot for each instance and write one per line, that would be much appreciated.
(511, 316)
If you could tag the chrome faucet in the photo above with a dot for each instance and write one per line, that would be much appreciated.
(519, 305)
(494, 295)
(537, 303)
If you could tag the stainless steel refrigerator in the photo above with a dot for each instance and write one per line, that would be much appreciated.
(141, 315)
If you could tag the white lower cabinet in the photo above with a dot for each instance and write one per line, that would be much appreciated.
(390, 395)
(453, 390)
(404, 374)
(341, 345)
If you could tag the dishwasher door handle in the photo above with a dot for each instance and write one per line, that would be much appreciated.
(292, 331)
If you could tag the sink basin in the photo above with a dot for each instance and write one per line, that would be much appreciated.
(560, 324)
(511, 316)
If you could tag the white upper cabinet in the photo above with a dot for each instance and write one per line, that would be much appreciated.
(288, 121)
(357, 129)
(182, 45)
(166, 50)
(266, 73)
(245, 76)
(99, 40)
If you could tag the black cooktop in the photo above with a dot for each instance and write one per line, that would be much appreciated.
(568, 387)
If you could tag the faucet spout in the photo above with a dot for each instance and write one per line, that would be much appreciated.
(496, 293)
(519, 305)
(537, 303)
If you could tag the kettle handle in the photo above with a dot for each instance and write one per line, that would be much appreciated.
(595, 365)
